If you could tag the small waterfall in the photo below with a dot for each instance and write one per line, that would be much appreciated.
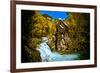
(48, 56)
(45, 51)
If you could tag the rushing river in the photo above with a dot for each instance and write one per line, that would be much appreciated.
(48, 56)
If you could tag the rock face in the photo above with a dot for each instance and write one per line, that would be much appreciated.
(63, 40)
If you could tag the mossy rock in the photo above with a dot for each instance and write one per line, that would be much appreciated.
(36, 56)
(33, 55)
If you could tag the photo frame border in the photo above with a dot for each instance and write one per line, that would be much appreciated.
(13, 35)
